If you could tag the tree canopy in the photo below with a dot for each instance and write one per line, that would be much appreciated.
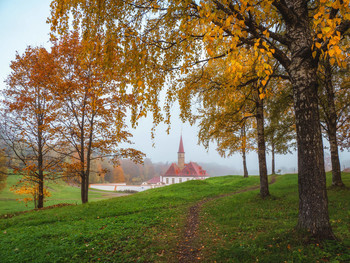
(163, 39)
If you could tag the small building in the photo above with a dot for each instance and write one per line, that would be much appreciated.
(180, 172)
(177, 173)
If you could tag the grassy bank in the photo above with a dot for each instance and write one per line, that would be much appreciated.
(60, 193)
(147, 227)
(244, 228)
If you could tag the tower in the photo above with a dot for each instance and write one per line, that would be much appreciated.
(181, 155)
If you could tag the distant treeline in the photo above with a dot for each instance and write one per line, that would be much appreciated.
(133, 173)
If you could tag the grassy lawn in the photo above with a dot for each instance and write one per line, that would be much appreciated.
(147, 226)
(60, 193)
(140, 227)
(244, 228)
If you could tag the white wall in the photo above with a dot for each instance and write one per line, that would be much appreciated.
(122, 187)
(177, 179)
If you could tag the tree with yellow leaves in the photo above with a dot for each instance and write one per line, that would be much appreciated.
(334, 97)
(226, 110)
(27, 114)
(93, 102)
(280, 122)
(160, 36)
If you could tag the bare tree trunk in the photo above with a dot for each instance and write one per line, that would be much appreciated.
(332, 118)
(84, 181)
(83, 188)
(264, 184)
(40, 163)
(336, 170)
(245, 170)
(273, 159)
(41, 189)
(243, 137)
(313, 201)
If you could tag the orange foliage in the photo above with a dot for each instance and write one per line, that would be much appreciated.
(28, 187)
(118, 175)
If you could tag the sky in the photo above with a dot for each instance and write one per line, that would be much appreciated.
(23, 23)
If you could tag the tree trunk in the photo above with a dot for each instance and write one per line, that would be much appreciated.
(86, 187)
(332, 127)
(313, 201)
(336, 170)
(264, 184)
(41, 189)
(40, 162)
(273, 159)
(243, 137)
(245, 170)
(84, 197)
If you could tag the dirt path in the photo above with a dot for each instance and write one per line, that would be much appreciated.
(188, 250)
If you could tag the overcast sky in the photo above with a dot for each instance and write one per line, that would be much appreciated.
(23, 23)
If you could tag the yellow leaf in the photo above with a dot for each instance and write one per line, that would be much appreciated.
(314, 54)
(337, 50)
(262, 96)
(228, 21)
(140, 83)
(331, 52)
(263, 82)
(318, 45)
(326, 29)
(332, 61)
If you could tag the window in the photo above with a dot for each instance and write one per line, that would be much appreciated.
(167, 181)
(173, 179)
(180, 180)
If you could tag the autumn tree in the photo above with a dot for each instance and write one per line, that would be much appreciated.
(27, 114)
(162, 36)
(225, 113)
(334, 107)
(92, 104)
(118, 175)
(280, 126)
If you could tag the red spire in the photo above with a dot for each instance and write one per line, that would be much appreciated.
(181, 147)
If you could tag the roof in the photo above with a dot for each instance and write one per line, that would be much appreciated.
(191, 169)
(172, 170)
(154, 180)
(181, 146)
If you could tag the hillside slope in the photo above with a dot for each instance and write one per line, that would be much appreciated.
(60, 193)
(148, 226)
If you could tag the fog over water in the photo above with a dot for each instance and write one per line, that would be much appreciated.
(22, 23)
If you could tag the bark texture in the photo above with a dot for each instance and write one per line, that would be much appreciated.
(264, 184)
(313, 201)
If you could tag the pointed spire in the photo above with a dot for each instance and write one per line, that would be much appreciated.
(181, 147)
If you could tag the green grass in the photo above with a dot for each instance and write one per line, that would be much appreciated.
(147, 226)
(60, 193)
(244, 228)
